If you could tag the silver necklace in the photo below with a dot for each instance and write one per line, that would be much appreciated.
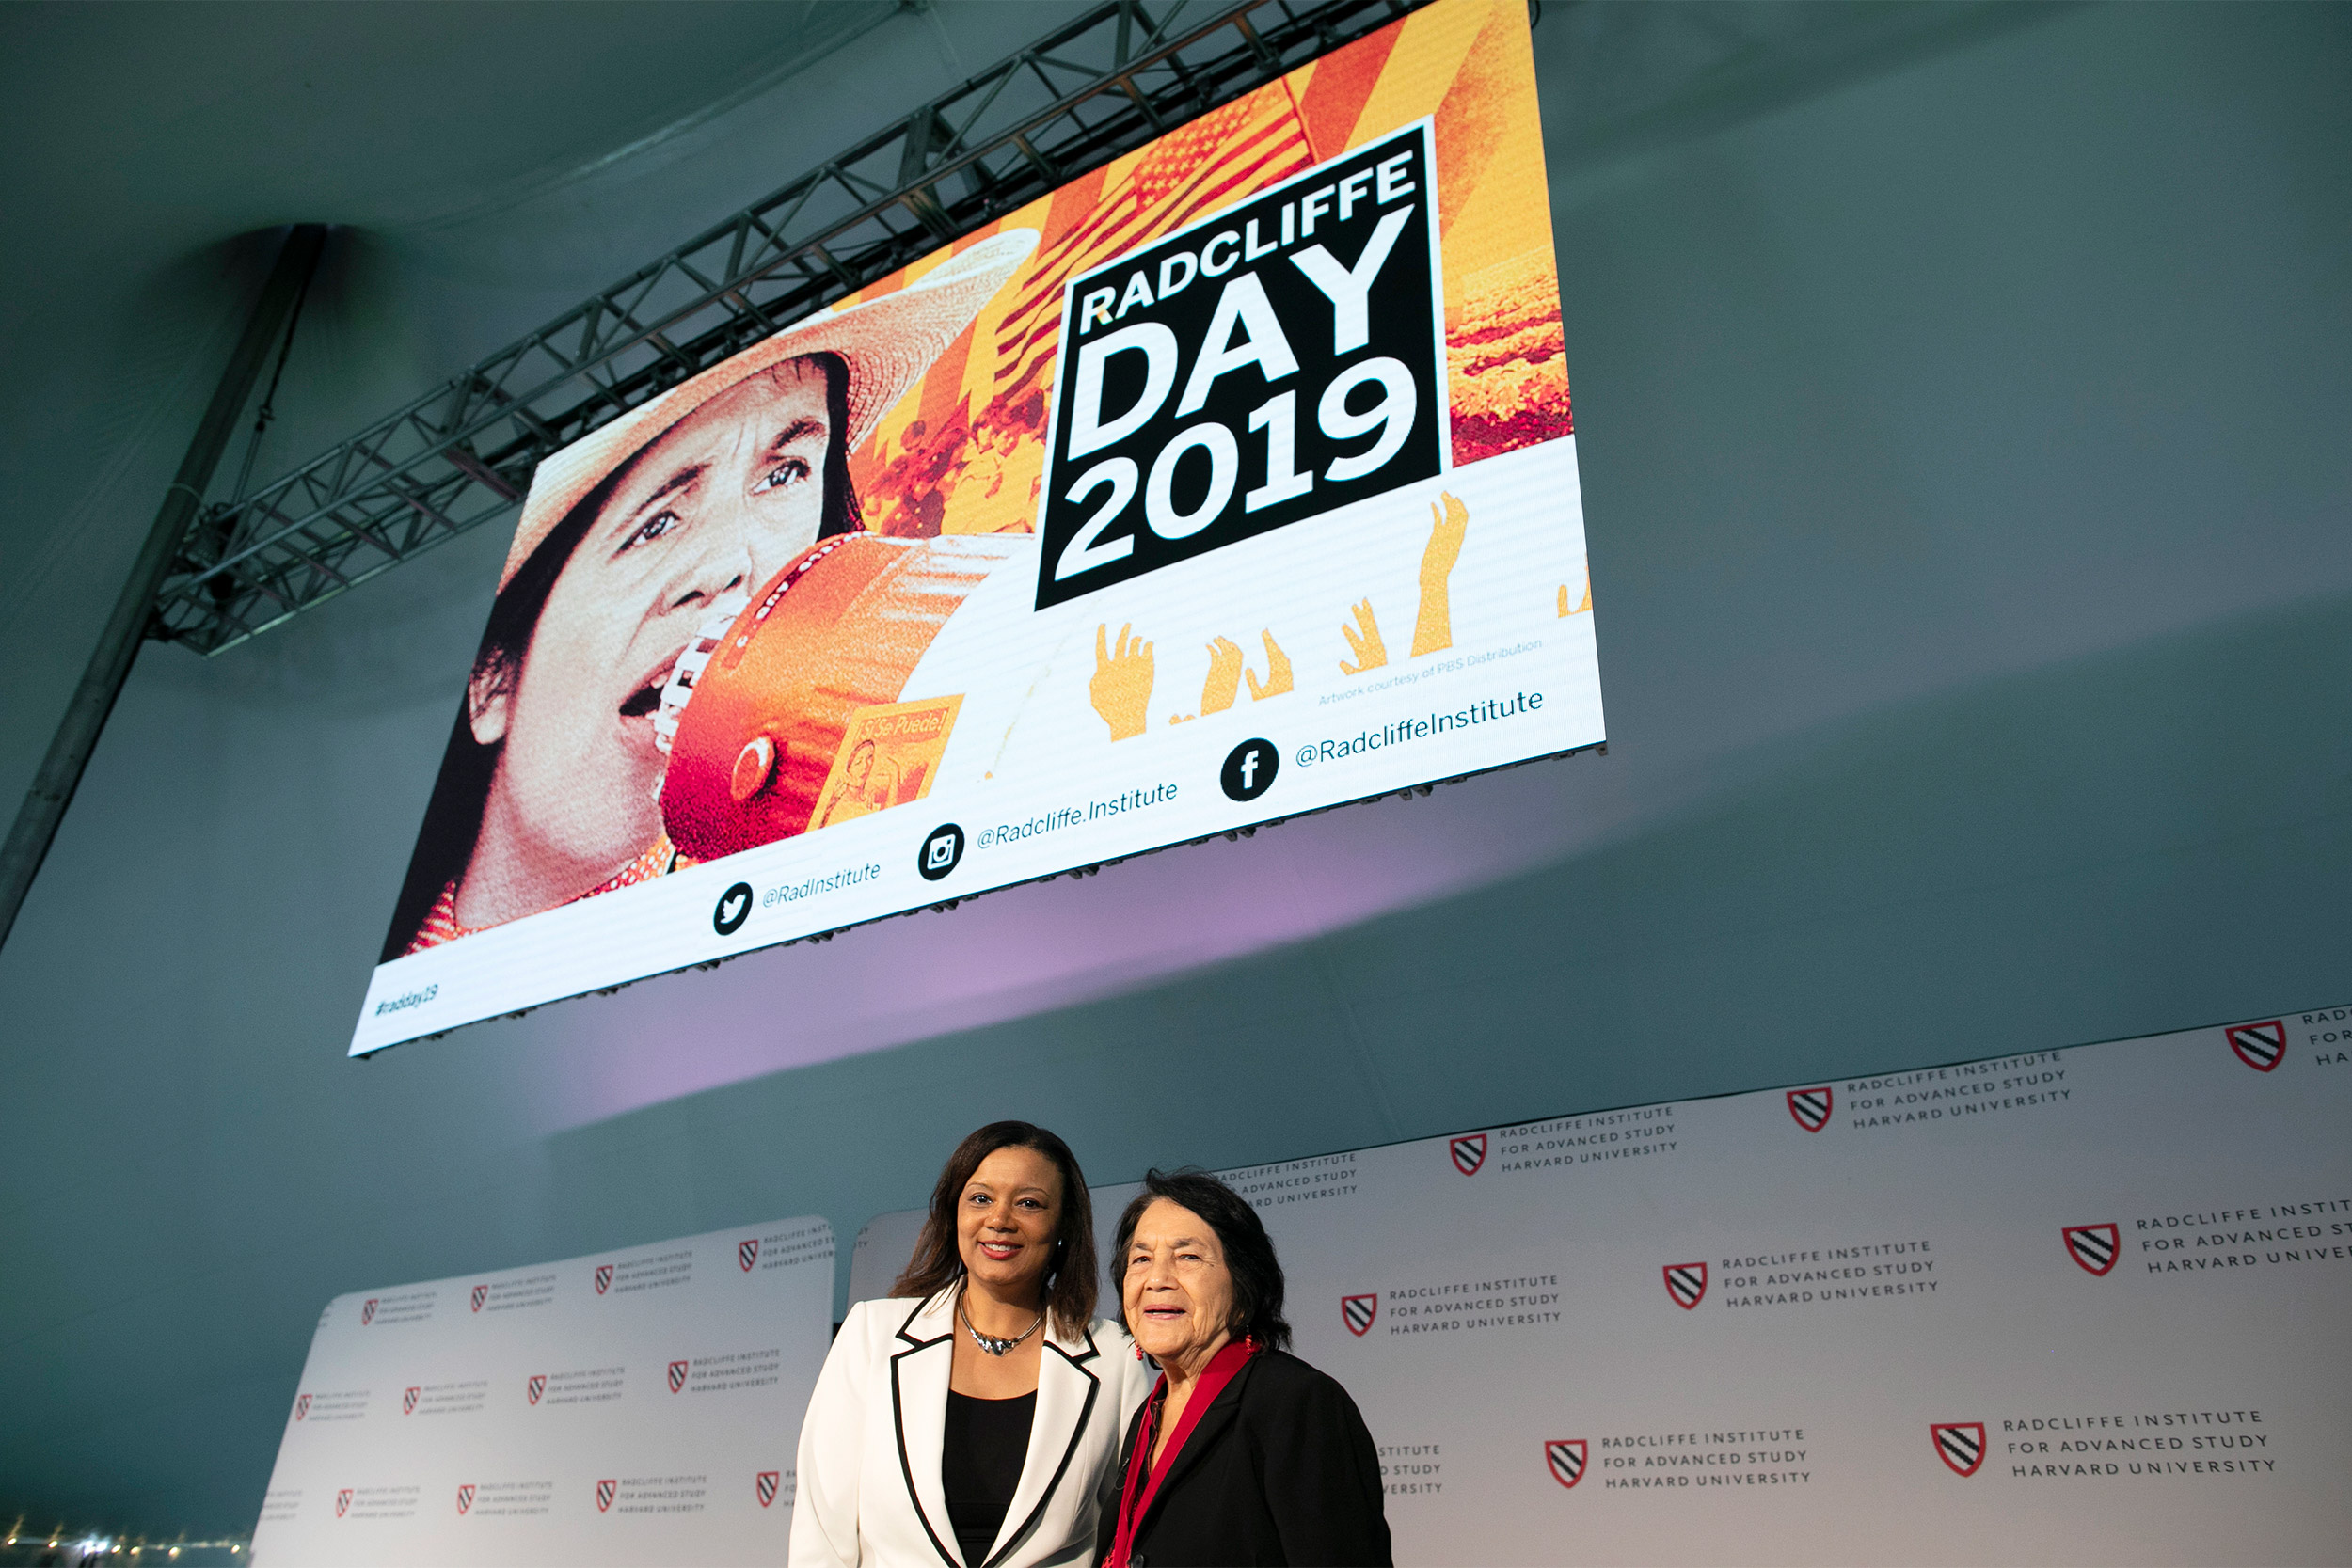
(990, 1342)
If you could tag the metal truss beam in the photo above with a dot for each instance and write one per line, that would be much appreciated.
(1091, 91)
(93, 700)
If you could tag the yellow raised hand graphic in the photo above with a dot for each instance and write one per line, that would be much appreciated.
(1363, 641)
(1121, 688)
(1223, 683)
(1278, 671)
(1581, 608)
(1432, 628)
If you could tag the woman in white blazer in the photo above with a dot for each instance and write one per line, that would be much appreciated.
(972, 1420)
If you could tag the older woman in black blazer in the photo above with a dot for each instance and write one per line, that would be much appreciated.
(1244, 1453)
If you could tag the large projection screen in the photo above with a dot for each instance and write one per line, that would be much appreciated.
(1232, 481)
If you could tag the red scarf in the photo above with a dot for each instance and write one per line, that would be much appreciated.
(1135, 1498)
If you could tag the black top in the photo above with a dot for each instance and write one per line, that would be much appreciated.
(980, 1456)
(1281, 1469)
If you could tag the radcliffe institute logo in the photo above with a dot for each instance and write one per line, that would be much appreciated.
(342, 1502)
(1811, 1107)
(746, 1254)
(677, 1376)
(2093, 1246)
(535, 1387)
(1960, 1444)
(2259, 1046)
(302, 1405)
(1564, 1458)
(1468, 1153)
(604, 1495)
(764, 1484)
(481, 1294)
(1686, 1283)
(408, 1400)
(465, 1498)
(604, 1278)
(1357, 1312)
(367, 1312)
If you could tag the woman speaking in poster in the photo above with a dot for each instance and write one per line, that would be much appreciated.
(632, 542)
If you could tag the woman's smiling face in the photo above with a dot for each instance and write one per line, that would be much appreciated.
(1175, 1287)
(717, 504)
(1007, 1221)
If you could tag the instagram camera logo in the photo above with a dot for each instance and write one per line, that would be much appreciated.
(942, 848)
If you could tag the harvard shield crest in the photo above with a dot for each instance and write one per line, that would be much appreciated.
(766, 1486)
(2259, 1046)
(535, 1387)
(1468, 1153)
(342, 1502)
(465, 1498)
(408, 1401)
(481, 1294)
(604, 1495)
(1357, 1312)
(747, 1253)
(1811, 1107)
(604, 1278)
(1686, 1283)
(1564, 1458)
(1960, 1444)
(677, 1376)
(2093, 1246)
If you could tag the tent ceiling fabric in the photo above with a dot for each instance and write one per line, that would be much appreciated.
(1961, 393)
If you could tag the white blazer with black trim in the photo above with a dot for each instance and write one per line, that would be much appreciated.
(869, 1493)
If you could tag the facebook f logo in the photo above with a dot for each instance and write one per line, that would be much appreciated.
(1250, 769)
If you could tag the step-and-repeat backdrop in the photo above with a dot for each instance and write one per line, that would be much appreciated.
(628, 1407)
(2083, 1305)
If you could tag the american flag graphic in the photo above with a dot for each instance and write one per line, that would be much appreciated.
(1254, 142)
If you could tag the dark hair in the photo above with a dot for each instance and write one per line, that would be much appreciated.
(1248, 1250)
(453, 815)
(938, 1263)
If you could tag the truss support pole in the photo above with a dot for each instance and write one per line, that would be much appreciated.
(118, 646)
